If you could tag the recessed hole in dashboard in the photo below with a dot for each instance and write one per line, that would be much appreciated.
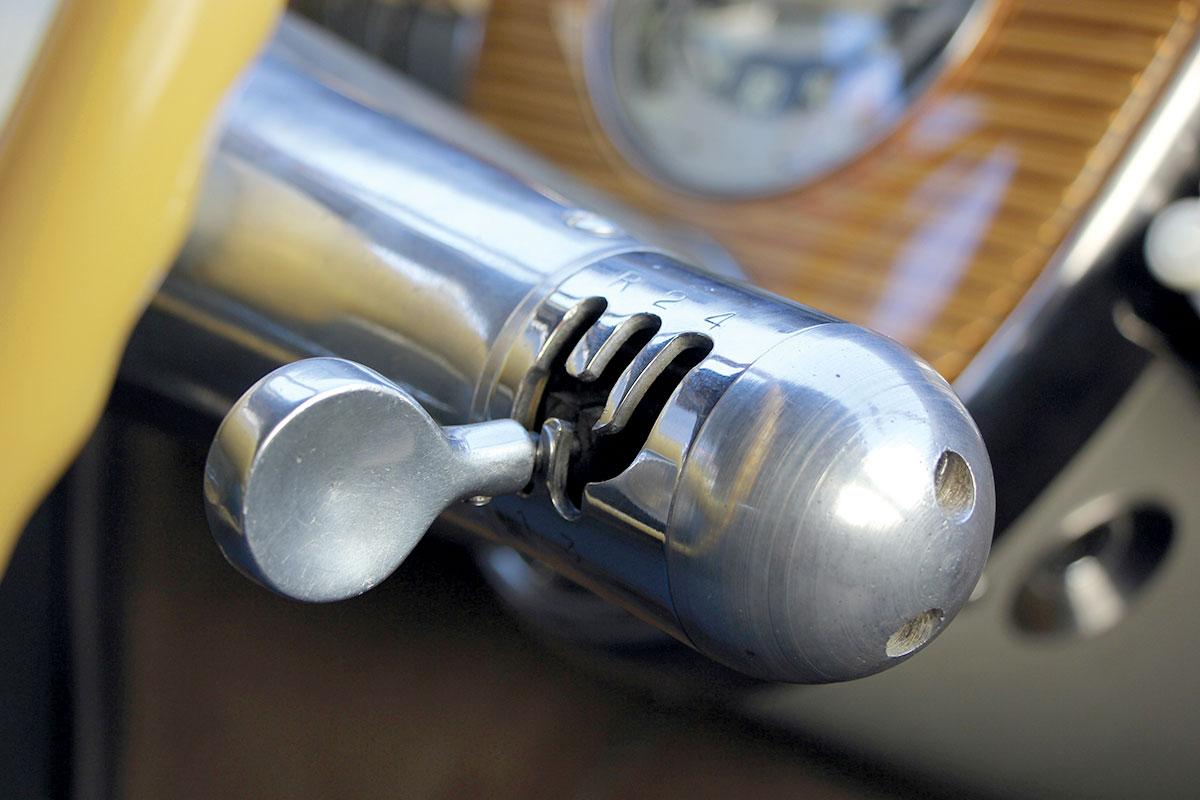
(1087, 585)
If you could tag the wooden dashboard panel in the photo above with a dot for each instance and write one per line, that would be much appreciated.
(937, 232)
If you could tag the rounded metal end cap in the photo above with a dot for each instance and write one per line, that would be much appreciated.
(834, 513)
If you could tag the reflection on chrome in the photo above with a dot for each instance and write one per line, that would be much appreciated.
(894, 478)
(753, 96)
(861, 505)
(897, 471)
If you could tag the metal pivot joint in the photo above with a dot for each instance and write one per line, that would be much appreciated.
(325, 474)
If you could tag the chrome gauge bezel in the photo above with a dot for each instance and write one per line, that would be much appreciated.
(614, 123)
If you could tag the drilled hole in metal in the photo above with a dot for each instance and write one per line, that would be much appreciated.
(954, 486)
(914, 633)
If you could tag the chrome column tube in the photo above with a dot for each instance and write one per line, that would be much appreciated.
(345, 230)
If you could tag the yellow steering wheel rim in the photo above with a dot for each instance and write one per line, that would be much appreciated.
(98, 170)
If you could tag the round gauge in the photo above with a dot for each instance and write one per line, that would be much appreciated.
(748, 97)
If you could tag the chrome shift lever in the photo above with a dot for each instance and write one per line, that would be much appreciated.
(792, 495)
(325, 474)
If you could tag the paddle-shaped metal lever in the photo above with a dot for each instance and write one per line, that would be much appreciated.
(324, 475)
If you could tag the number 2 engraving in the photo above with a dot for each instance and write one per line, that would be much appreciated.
(671, 297)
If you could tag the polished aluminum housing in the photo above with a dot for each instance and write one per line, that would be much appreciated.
(794, 496)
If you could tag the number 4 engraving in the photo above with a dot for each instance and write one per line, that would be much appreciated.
(716, 319)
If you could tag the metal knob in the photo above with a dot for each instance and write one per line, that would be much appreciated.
(324, 475)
